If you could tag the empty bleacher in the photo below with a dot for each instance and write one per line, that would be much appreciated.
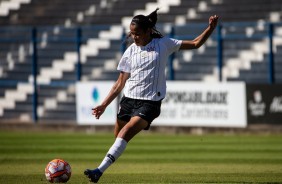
(57, 22)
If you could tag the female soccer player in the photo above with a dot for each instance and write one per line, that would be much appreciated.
(142, 75)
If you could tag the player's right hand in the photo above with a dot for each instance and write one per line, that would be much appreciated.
(98, 111)
(213, 21)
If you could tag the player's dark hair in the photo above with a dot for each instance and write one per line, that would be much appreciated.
(146, 22)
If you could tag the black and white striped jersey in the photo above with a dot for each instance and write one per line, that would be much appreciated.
(146, 65)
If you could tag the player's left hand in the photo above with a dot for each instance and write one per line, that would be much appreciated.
(98, 111)
(213, 21)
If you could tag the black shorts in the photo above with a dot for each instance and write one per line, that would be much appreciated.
(146, 109)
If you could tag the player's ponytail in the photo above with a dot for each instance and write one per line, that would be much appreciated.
(153, 18)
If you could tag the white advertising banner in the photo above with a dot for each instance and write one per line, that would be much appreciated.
(89, 95)
(204, 104)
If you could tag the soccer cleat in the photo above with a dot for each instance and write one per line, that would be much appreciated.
(93, 175)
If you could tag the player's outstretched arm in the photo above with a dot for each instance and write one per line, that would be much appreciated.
(201, 39)
(116, 89)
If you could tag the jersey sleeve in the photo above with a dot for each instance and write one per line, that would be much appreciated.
(171, 44)
(124, 63)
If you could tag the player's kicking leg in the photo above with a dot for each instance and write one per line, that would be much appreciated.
(124, 132)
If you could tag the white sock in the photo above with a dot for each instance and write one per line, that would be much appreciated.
(114, 152)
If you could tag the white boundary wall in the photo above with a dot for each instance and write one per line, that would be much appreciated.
(186, 104)
(204, 104)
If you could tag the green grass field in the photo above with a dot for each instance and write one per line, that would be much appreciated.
(149, 158)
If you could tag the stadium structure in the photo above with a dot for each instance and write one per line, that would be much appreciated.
(47, 46)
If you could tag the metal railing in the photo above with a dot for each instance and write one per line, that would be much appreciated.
(78, 39)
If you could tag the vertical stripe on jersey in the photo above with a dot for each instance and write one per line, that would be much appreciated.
(133, 64)
(136, 67)
(158, 66)
(154, 55)
(139, 66)
(152, 66)
(146, 74)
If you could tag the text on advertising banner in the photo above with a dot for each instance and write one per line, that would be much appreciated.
(204, 104)
(264, 103)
